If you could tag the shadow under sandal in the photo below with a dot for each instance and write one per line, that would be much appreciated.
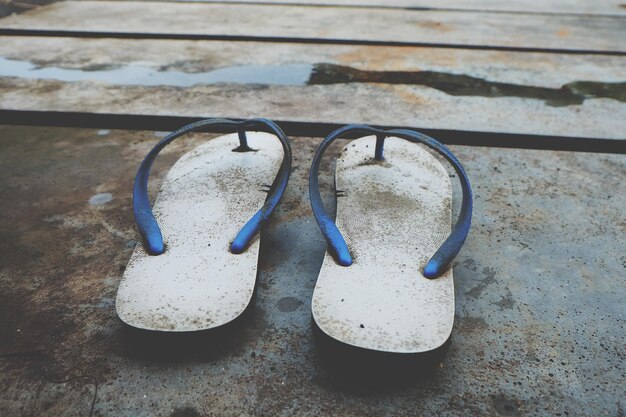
(196, 269)
(386, 284)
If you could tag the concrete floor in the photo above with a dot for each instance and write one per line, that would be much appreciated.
(540, 290)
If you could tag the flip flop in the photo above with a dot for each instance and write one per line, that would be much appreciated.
(196, 269)
(380, 286)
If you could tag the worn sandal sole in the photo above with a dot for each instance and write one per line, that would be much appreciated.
(394, 214)
(206, 198)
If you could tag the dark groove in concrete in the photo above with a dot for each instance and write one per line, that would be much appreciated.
(408, 8)
(21, 7)
(308, 129)
(278, 39)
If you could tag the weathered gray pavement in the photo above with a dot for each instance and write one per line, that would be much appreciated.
(540, 289)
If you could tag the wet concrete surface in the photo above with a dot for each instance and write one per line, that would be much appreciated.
(9, 7)
(508, 92)
(296, 74)
(540, 287)
(573, 93)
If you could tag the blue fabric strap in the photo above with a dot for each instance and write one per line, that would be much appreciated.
(439, 262)
(146, 222)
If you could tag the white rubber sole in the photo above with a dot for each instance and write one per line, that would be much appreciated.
(394, 215)
(207, 196)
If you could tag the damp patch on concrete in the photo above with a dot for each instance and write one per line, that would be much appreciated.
(297, 74)
(289, 304)
(100, 199)
(464, 85)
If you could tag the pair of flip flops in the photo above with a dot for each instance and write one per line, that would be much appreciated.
(380, 286)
